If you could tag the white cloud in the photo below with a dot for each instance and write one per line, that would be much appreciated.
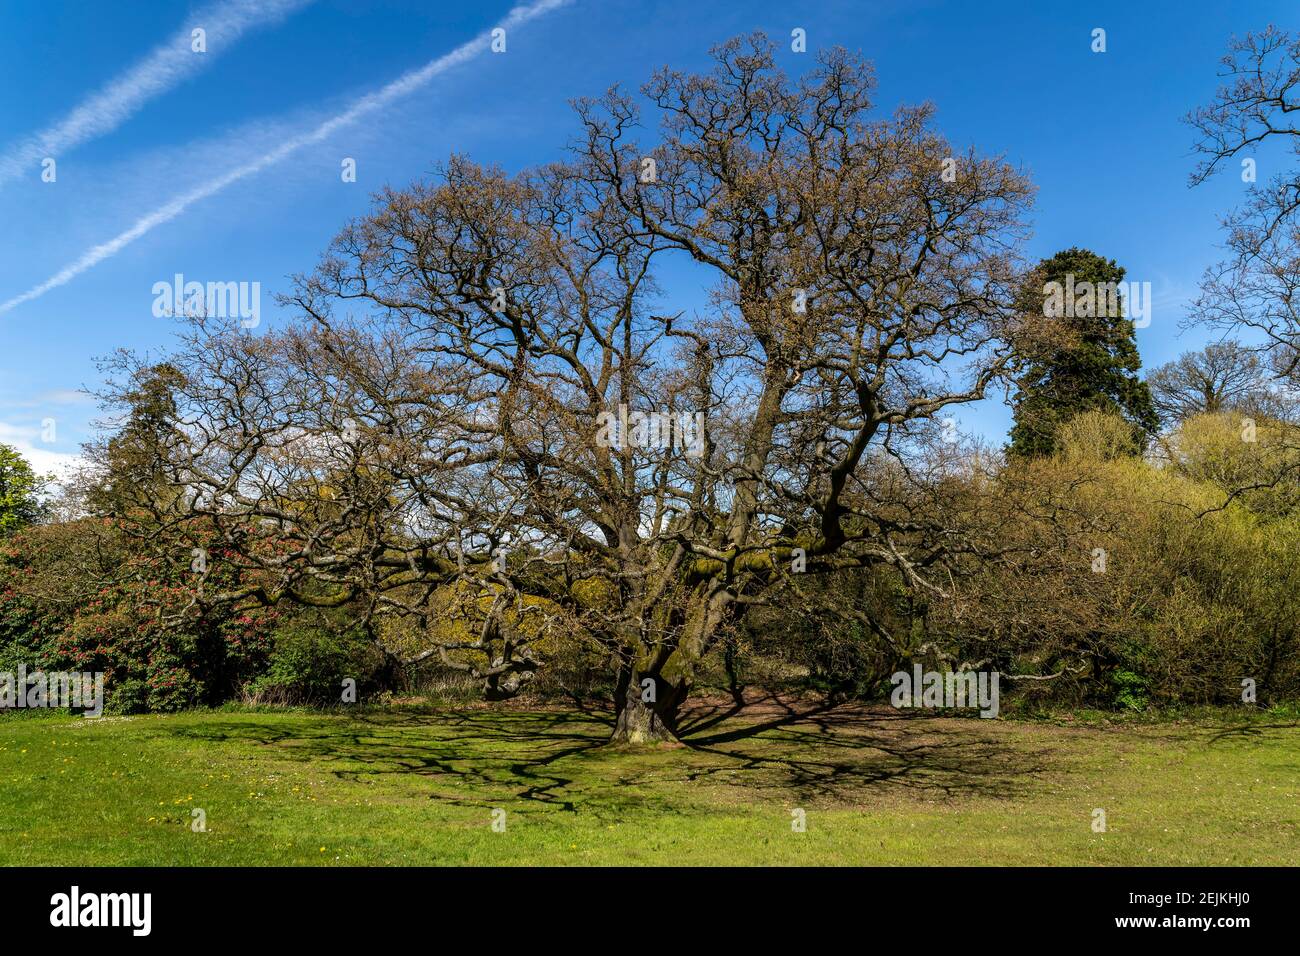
(42, 458)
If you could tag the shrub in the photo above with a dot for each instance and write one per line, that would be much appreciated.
(310, 661)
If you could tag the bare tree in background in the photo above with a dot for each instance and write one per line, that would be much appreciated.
(1258, 286)
(1223, 376)
(488, 395)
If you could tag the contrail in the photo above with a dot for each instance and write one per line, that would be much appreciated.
(404, 84)
(165, 67)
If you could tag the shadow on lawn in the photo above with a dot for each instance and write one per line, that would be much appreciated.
(783, 747)
(851, 752)
(1247, 728)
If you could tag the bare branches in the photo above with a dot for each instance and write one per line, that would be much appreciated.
(487, 397)
(1258, 99)
(1256, 287)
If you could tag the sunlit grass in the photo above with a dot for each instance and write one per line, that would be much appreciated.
(418, 787)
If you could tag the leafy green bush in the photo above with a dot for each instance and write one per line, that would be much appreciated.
(309, 663)
(130, 696)
(82, 596)
(1130, 690)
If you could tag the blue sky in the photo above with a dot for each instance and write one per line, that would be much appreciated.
(1100, 134)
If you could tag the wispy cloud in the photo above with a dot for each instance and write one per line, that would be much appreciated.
(405, 84)
(60, 396)
(167, 65)
(43, 459)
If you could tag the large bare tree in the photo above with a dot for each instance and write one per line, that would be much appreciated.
(488, 396)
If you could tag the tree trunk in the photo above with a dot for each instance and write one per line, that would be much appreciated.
(653, 686)
(647, 714)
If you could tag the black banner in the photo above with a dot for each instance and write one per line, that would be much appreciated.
(335, 906)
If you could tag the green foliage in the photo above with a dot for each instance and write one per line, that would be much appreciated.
(1199, 586)
(1130, 690)
(20, 492)
(1076, 363)
(83, 596)
(130, 696)
(132, 457)
(309, 663)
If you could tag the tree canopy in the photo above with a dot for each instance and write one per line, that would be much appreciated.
(20, 492)
(1083, 356)
(488, 392)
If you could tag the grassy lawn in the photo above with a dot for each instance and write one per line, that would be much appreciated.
(409, 786)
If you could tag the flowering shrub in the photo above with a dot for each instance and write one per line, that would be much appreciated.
(83, 596)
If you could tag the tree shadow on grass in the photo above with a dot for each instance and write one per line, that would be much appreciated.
(485, 753)
(854, 753)
(774, 748)
(1256, 728)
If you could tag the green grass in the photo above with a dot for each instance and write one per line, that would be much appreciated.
(418, 787)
